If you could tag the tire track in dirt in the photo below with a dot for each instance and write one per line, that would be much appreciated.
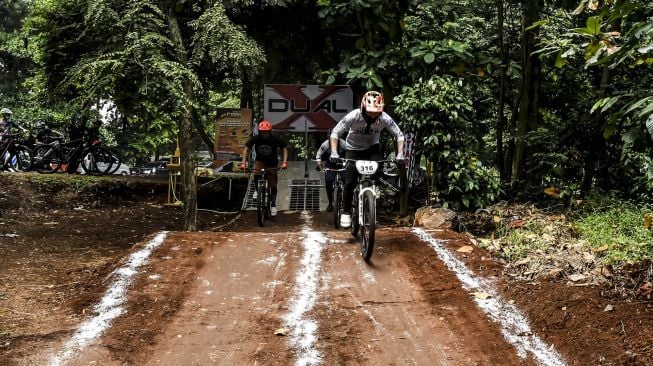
(379, 314)
(513, 323)
(110, 306)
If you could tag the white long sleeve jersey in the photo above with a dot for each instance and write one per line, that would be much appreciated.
(355, 124)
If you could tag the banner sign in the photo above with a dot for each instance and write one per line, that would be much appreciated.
(306, 107)
(232, 130)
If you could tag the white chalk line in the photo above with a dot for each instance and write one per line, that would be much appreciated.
(111, 304)
(514, 325)
(302, 329)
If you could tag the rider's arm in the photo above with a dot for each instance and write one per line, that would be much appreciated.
(285, 155)
(14, 124)
(342, 126)
(391, 125)
(323, 148)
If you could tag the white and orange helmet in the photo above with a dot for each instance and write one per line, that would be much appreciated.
(372, 102)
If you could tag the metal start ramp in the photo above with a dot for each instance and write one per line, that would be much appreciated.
(305, 194)
(249, 203)
(295, 191)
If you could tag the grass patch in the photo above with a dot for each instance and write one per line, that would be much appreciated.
(618, 231)
(534, 236)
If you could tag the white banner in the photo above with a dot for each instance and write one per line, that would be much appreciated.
(306, 107)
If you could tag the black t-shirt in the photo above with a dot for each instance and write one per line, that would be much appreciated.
(267, 149)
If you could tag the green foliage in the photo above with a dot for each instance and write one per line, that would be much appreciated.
(620, 231)
(438, 111)
(518, 244)
(152, 77)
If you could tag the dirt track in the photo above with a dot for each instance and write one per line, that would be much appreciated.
(219, 297)
(85, 294)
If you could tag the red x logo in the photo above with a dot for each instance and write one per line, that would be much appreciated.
(298, 104)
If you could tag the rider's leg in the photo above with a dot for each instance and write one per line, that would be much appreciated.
(351, 178)
(256, 168)
(329, 180)
(374, 153)
(273, 179)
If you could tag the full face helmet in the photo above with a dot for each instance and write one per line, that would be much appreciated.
(372, 103)
(6, 112)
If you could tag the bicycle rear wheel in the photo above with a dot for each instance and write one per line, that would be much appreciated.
(46, 159)
(369, 225)
(97, 160)
(260, 204)
(116, 160)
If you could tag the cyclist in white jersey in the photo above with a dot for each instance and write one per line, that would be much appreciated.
(363, 126)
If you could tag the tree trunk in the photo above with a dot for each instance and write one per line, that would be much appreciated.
(188, 182)
(501, 121)
(208, 141)
(528, 102)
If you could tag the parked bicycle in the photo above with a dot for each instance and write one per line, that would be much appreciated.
(363, 215)
(14, 154)
(50, 157)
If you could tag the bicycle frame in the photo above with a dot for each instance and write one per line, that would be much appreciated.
(365, 196)
(338, 187)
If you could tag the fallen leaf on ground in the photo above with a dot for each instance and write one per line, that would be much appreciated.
(600, 249)
(482, 295)
(609, 307)
(465, 249)
(577, 277)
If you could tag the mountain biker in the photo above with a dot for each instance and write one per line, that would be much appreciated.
(94, 131)
(76, 130)
(364, 126)
(43, 132)
(323, 156)
(267, 148)
(6, 124)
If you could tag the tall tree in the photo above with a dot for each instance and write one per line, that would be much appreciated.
(527, 116)
(159, 57)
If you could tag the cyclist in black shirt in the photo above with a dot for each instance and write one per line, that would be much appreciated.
(267, 148)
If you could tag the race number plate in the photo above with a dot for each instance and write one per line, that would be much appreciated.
(367, 167)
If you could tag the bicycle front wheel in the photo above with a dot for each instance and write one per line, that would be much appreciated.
(354, 216)
(23, 160)
(97, 160)
(369, 225)
(337, 191)
(260, 205)
(46, 159)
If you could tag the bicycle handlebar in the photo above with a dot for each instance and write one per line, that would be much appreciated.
(346, 160)
(251, 170)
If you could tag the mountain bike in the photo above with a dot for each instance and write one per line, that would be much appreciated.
(17, 156)
(263, 201)
(338, 186)
(363, 215)
(95, 160)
